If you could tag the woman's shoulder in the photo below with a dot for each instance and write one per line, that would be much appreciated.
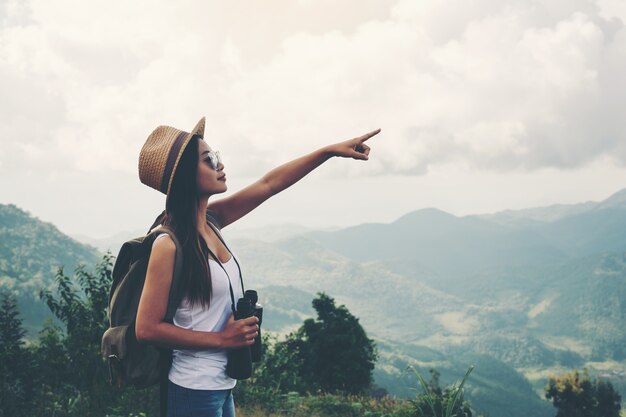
(164, 245)
(162, 258)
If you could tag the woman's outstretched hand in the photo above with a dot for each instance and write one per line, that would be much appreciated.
(239, 333)
(354, 148)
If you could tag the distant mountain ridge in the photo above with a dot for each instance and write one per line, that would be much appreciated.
(111, 243)
(557, 211)
(274, 232)
(432, 238)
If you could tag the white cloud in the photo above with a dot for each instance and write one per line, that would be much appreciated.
(491, 85)
(500, 84)
(613, 9)
(503, 85)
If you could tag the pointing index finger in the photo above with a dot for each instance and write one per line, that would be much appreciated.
(369, 135)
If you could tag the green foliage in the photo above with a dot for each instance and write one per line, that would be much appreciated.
(280, 369)
(331, 354)
(11, 331)
(14, 360)
(330, 357)
(335, 353)
(576, 395)
(254, 401)
(66, 375)
(437, 402)
(84, 317)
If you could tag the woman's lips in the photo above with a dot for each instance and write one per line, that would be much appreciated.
(222, 178)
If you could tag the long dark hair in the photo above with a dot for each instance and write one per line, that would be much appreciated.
(181, 215)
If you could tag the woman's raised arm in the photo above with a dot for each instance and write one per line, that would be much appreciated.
(232, 208)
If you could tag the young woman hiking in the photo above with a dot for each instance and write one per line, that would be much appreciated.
(184, 167)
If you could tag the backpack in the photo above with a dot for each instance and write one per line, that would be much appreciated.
(132, 362)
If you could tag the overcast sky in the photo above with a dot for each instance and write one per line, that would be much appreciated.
(484, 104)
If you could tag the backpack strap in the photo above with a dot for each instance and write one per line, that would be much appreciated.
(211, 217)
(173, 301)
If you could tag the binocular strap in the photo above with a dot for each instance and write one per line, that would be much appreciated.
(230, 286)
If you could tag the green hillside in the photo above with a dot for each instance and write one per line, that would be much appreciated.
(30, 253)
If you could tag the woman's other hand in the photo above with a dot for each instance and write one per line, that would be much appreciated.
(353, 148)
(239, 333)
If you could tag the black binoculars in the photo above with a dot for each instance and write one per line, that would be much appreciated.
(240, 360)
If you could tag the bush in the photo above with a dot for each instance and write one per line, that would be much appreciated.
(576, 395)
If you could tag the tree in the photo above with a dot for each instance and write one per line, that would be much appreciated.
(576, 395)
(14, 359)
(72, 376)
(83, 312)
(330, 354)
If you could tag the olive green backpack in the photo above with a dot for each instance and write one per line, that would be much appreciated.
(132, 362)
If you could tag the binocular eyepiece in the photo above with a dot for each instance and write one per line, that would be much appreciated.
(240, 360)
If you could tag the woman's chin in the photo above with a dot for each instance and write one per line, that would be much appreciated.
(214, 190)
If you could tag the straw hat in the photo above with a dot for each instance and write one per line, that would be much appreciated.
(160, 154)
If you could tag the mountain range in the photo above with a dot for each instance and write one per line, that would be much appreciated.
(519, 294)
(536, 291)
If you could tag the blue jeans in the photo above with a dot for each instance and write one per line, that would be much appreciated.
(186, 402)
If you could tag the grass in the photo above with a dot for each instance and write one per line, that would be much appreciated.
(328, 405)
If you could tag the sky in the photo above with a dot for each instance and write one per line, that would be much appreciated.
(484, 105)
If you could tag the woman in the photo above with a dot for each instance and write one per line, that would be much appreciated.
(184, 167)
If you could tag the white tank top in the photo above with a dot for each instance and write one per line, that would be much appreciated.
(206, 369)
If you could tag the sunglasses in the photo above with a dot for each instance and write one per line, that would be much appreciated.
(213, 158)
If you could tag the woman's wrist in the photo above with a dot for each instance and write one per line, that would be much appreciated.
(327, 152)
(210, 340)
(218, 340)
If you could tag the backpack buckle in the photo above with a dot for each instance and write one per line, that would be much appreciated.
(115, 370)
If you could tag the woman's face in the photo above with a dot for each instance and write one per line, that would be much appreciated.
(211, 179)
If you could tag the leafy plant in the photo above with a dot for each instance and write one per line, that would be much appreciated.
(441, 403)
